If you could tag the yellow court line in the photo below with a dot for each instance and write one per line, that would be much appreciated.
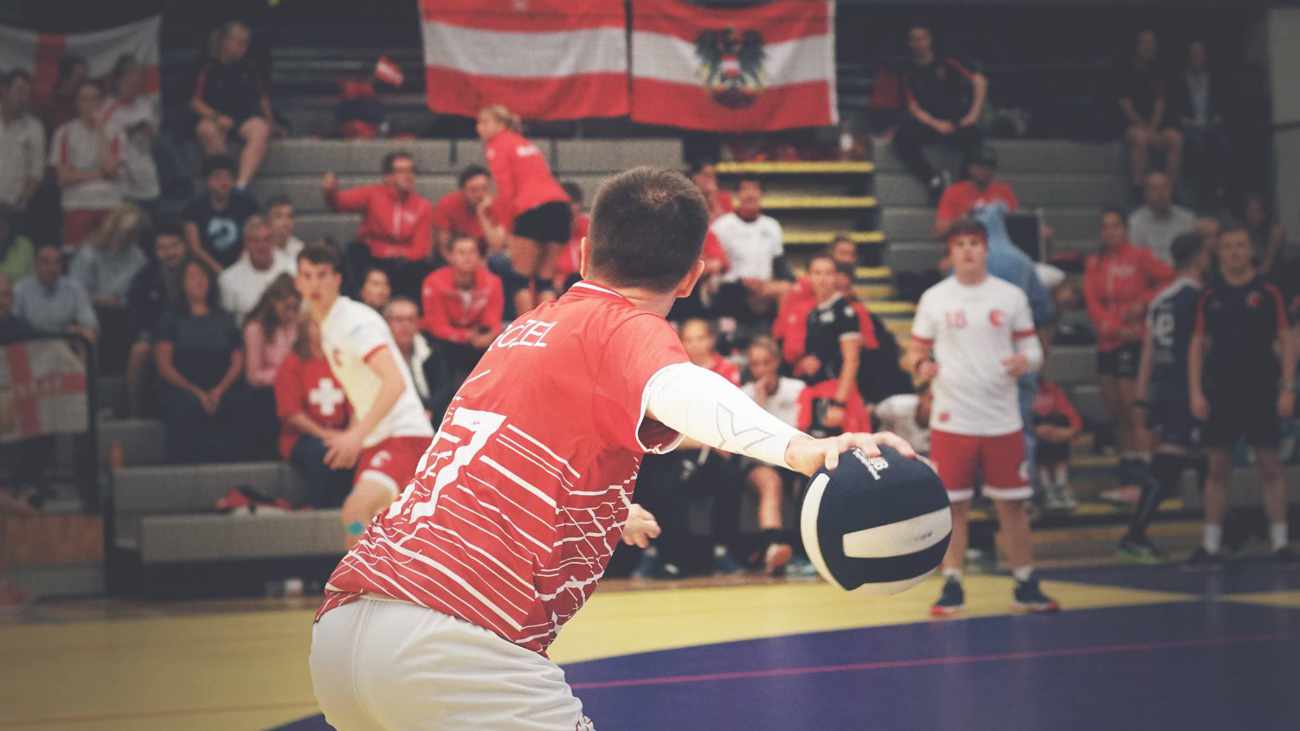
(778, 167)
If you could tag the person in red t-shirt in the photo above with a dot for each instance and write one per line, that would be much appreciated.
(506, 527)
(529, 203)
(396, 232)
(1056, 424)
(463, 304)
(981, 189)
(1119, 281)
(312, 407)
(468, 211)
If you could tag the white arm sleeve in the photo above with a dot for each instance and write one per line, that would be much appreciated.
(1032, 350)
(707, 408)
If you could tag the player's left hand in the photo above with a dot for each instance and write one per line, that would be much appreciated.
(641, 527)
(1286, 403)
(807, 455)
(342, 450)
(1016, 365)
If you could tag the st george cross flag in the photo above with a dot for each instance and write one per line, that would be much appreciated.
(544, 59)
(768, 67)
(39, 53)
(42, 390)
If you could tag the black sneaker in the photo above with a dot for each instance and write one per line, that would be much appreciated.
(1029, 598)
(951, 601)
(1203, 560)
(1140, 550)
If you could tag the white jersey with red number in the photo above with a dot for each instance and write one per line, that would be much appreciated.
(350, 334)
(973, 329)
(518, 503)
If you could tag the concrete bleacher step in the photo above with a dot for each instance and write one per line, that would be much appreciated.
(1070, 365)
(916, 223)
(1034, 190)
(913, 256)
(189, 538)
(341, 227)
(1026, 156)
(314, 156)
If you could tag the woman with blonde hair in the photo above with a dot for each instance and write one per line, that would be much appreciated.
(529, 203)
(112, 256)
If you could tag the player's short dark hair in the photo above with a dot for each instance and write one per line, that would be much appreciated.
(391, 159)
(647, 228)
(319, 252)
(966, 227)
(1185, 248)
(169, 227)
(278, 200)
(213, 163)
(469, 173)
(573, 190)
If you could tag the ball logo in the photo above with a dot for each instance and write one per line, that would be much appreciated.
(874, 465)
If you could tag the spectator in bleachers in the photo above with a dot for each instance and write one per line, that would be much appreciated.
(1056, 424)
(311, 407)
(22, 143)
(468, 211)
(269, 334)
(61, 104)
(700, 302)
(230, 99)
(833, 336)
(944, 102)
(87, 161)
(151, 292)
(1242, 381)
(1157, 223)
(12, 327)
(758, 276)
(788, 326)
(975, 195)
(701, 343)
(779, 396)
(244, 282)
(214, 221)
(530, 204)
(430, 372)
(16, 250)
(396, 232)
(199, 357)
(566, 264)
(134, 118)
(52, 302)
(112, 256)
(843, 249)
(463, 305)
(1208, 228)
(1150, 121)
(280, 217)
(1267, 236)
(1119, 282)
(1199, 95)
(908, 416)
(376, 291)
(705, 176)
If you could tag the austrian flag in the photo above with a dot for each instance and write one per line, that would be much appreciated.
(544, 59)
(758, 68)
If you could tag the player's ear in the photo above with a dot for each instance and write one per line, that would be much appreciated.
(584, 256)
(687, 283)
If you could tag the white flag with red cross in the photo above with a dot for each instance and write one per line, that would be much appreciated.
(40, 53)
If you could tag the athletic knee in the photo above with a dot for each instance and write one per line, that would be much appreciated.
(1138, 136)
(256, 130)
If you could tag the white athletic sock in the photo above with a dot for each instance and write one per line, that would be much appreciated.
(951, 573)
(1277, 535)
(1213, 539)
(1022, 573)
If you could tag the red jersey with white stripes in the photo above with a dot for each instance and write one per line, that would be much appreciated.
(973, 328)
(519, 501)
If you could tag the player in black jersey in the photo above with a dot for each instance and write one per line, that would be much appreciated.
(1240, 387)
(1162, 389)
(834, 337)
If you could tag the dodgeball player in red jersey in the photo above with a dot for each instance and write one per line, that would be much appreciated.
(441, 615)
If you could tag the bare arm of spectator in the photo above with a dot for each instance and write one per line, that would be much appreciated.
(65, 172)
(196, 246)
(1287, 349)
(1199, 406)
(162, 358)
(939, 125)
(850, 350)
(1145, 364)
(258, 369)
(980, 89)
(1105, 321)
(35, 170)
(494, 232)
(1130, 112)
(352, 200)
(232, 374)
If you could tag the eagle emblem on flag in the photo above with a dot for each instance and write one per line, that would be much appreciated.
(731, 65)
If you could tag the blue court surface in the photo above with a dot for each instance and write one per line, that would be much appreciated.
(1222, 652)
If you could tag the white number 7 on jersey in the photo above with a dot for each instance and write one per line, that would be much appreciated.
(481, 425)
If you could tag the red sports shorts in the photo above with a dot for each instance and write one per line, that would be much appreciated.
(1000, 459)
(391, 462)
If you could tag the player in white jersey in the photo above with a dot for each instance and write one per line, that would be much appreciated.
(973, 336)
(390, 431)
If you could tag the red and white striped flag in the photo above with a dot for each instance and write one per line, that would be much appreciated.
(768, 67)
(42, 390)
(39, 53)
(544, 59)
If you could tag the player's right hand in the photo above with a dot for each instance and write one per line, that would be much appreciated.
(927, 371)
(807, 455)
(1200, 406)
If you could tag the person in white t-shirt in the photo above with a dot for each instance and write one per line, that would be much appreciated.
(779, 396)
(908, 416)
(87, 160)
(244, 282)
(280, 216)
(390, 432)
(973, 337)
(134, 118)
(758, 276)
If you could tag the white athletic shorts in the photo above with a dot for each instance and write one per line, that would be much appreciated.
(381, 664)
